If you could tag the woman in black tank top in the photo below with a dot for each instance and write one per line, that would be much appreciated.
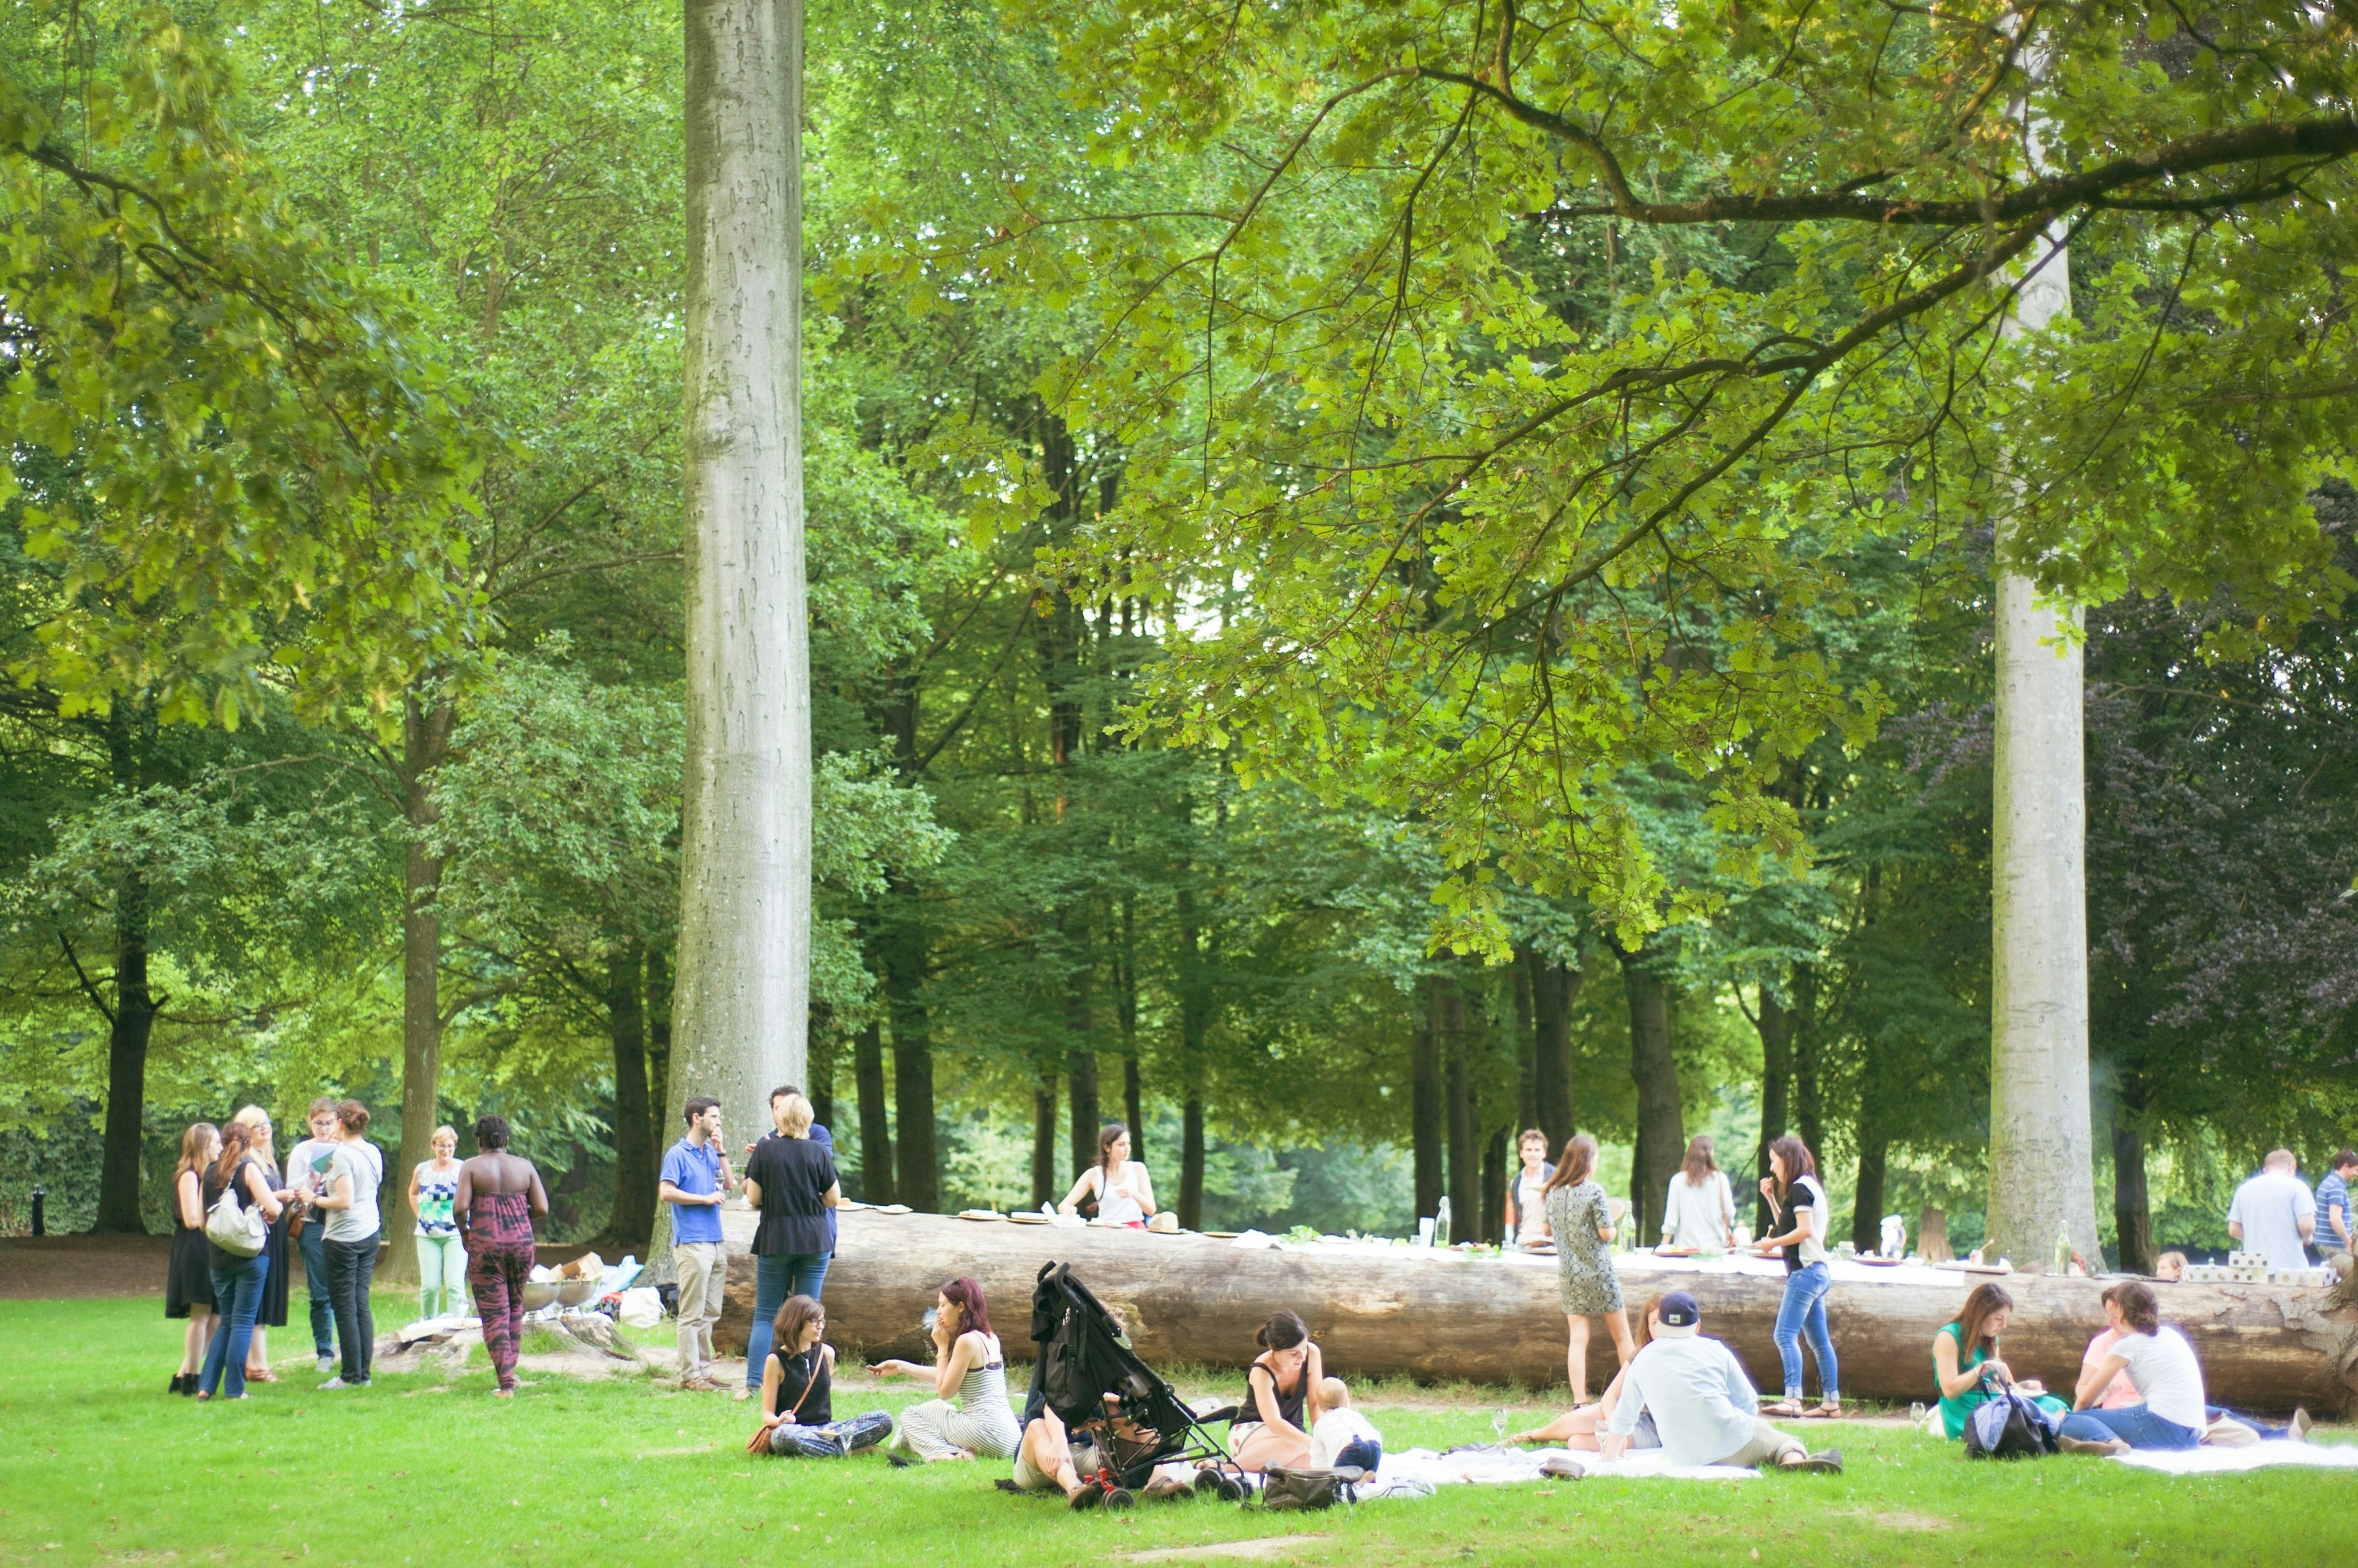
(1281, 1397)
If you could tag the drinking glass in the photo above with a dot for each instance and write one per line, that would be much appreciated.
(1916, 1415)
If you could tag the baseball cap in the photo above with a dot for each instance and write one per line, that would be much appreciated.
(1678, 1316)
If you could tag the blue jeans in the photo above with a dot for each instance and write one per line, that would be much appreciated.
(2134, 1425)
(314, 1243)
(778, 1275)
(2268, 1431)
(237, 1292)
(1803, 1309)
(833, 1440)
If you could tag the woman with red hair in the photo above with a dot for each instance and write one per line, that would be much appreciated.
(967, 1364)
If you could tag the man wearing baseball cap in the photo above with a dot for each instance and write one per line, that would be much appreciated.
(1704, 1407)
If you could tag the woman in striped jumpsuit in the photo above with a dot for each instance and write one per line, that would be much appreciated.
(967, 1364)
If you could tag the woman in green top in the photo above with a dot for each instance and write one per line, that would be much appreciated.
(1965, 1355)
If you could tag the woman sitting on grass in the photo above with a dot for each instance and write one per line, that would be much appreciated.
(968, 1363)
(797, 1386)
(1282, 1397)
(2161, 1363)
(1578, 1427)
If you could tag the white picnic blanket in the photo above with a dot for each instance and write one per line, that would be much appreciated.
(2210, 1461)
(1490, 1466)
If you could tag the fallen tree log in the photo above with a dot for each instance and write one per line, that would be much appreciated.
(1444, 1315)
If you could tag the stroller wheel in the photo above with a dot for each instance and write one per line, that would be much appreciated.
(1216, 1483)
(1121, 1498)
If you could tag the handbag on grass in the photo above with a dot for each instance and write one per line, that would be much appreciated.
(759, 1442)
(234, 1227)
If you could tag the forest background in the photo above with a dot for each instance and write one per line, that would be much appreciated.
(232, 878)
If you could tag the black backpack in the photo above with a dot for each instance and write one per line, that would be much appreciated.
(1310, 1490)
(2010, 1425)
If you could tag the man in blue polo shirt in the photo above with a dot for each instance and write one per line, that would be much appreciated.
(2335, 1229)
(695, 1181)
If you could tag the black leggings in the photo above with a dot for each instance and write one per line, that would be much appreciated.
(351, 1265)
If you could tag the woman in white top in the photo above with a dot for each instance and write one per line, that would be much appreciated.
(1701, 1213)
(967, 1363)
(1125, 1192)
(441, 1250)
(1527, 1193)
(2162, 1366)
(1800, 1204)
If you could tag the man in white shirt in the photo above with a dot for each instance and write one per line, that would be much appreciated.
(2275, 1213)
(1704, 1407)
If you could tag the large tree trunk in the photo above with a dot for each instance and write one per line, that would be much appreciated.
(744, 1003)
(1809, 1102)
(1133, 1089)
(1195, 1025)
(1043, 1139)
(424, 741)
(632, 1221)
(1776, 1027)
(131, 1021)
(1527, 1094)
(2042, 1154)
(1080, 1050)
(2132, 1203)
(1424, 1100)
(1465, 1153)
(1866, 1201)
(1661, 1126)
(1553, 989)
(875, 1124)
(919, 1165)
(1493, 1215)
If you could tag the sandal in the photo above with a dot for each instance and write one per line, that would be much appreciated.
(1826, 1411)
(263, 1376)
(1783, 1410)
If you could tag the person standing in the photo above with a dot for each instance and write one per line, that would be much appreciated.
(498, 1197)
(1526, 1208)
(1701, 1213)
(695, 1183)
(2275, 1213)
(278, 1249)
(791, 1178)
(2334, 1231)
(1118, 1184)
(355, 1172)
(189, 1273)
(1799, 1203)
(237, 1178)
(441, 1254)
(306, 1170)
(1576, 1213)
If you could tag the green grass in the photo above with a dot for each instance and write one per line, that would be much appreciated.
(98, 1465)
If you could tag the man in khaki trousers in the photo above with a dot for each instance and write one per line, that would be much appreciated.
(694, 1182)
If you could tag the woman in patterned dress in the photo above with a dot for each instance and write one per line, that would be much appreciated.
(1584, 1233)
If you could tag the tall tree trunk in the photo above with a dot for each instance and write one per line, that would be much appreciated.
(1527, 1094)
(131, 1019)
(1866, 1199)
(1043, 1138)
(1424, 1112)
(1493, 1215)
(1194, 1026)
(1464, 1154)
(743, 1005)
(1661, 1126)
(659, 966)
(2132, 1201)
(424, 741)
(1809, 1102)
(1191, 1163)
(905, 964)
(631, 1220)
(1133, 1090)
(1776, 1027)
(876, 1184)
(1080, 1041)
(822, 1074)
(2042, 1152)
(1554, 987)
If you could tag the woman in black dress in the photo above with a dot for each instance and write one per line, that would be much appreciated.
(189, 1276)
(273, 1312)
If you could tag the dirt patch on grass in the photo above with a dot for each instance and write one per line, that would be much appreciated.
(1261, 1550)
(1896, 1519)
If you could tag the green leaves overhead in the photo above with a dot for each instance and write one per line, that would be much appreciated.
(1502, 388)
(251, 467)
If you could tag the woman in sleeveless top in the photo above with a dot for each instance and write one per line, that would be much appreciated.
(278, 1249)
(1123, 1189)
(1282, 1397)
(967, 1360)
(189, 1276)
(798, 1391)
(237, 1176)
(499, 1194)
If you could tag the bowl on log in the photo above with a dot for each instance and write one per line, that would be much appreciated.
(1439, 1315)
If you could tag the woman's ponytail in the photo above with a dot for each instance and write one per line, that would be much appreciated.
(1283, 1331)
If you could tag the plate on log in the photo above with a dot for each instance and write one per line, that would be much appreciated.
(894, 1208)
(1030, 1217)
(1876, 1262)
(980, 1214)
(1224, 1235)
(1678, 1251)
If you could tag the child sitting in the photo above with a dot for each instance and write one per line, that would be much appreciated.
(1342, 1435)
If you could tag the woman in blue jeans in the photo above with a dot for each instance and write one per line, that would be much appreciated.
(1799, 1203)
(791, 1178)
(237, 1281)
(2161, 1364)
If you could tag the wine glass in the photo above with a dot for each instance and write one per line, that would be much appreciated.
(1498, 1421)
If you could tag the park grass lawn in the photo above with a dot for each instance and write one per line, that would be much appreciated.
(98, 1465)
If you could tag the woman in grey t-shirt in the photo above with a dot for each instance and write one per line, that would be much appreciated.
(348, 1199)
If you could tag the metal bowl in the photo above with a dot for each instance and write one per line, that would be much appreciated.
(540, 1294)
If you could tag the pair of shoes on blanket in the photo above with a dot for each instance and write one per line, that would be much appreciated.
(2106, 1447)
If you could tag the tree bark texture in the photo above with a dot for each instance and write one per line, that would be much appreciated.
(424, 741)
(1776, 1027)
(1424, 1102)
(2042, 1154)
(632, 1219)
(1661, 1126)
(1465, 1150)
(1193, 1300)
(1493, 1211)
(905, 963)
(129, 1029)
(1043, 1139)
(743, 1006)
(1553, 989)
(876, 1184)
(1194, 1026)
(1527, 1094)
(1866, 1205)
(2132, 1201)
(1808, 1103)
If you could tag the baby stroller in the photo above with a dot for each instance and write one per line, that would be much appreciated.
(1086, 1371)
